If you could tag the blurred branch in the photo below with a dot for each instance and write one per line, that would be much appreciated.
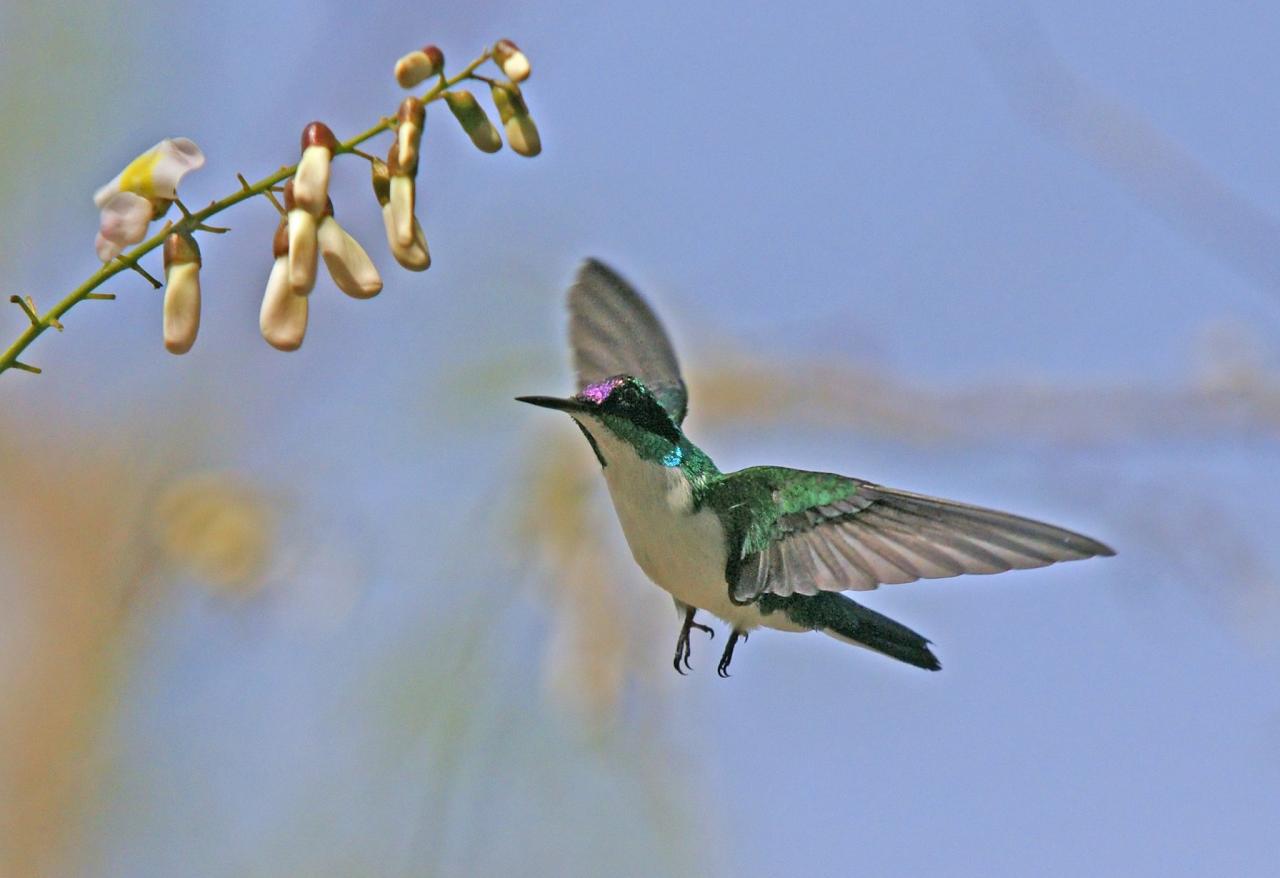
(514, 114)
(1050, 97)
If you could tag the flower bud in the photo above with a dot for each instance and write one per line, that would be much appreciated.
(181, 293)
(522, 134)
(381, 175)
(512, 61)
(302, 243)
(467, 110)
(348, 263)
(283, 318)
(403, 197)
(415, 256)
(419, 65)
(311, 180)
(413, 118)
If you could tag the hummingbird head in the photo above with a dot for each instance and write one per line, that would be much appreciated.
(620, 409)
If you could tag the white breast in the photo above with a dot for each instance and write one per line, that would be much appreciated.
(682, 551)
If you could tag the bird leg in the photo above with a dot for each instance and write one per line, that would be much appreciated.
(723, 669)
(682, 644)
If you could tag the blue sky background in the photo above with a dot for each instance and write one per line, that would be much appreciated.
(1048, 219)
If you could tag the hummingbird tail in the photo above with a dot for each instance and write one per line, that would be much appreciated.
(834, 614)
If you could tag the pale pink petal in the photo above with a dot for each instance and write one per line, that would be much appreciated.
(123, 222)
(177, 156)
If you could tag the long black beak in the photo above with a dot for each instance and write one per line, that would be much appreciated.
(554, 402)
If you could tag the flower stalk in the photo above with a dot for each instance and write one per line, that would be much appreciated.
(196, 221)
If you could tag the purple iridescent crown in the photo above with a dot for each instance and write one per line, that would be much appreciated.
(600, 391)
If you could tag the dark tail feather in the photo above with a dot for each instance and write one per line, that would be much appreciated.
(837, 615)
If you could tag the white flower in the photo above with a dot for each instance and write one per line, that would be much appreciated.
(302, 244)
(522, 134)
(181, 293)
(311, 180)
(467, 110)
(414, 254)
(348, 263)
(283, 318)
(418, 66)
(412, 117)
(402, 194)
(142, 191)
(512, 61)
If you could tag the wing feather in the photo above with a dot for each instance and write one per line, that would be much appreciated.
(612, 331)
(877, 535)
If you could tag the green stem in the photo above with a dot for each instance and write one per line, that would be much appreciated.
(190, 223)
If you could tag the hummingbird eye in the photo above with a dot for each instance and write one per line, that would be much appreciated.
(628, 398)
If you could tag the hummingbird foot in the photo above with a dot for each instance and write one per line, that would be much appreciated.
(682, 643)
(727, 657)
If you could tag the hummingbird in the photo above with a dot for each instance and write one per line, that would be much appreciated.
(765, 546)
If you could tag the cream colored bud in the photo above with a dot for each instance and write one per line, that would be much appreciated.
(311, 180)
(402, 205)
(415, 256)
(471, 116)
(522, 134)
(283, 317)
(419, 65)
(181, 293)
(303, 251)
(512, 61)
(348, 263)
(413, 119)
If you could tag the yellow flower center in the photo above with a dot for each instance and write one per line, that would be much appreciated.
(139, 176)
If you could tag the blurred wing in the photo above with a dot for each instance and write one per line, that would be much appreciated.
(857, 535)
(613, 332)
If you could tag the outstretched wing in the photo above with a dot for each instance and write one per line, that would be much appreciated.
(613, 332)
(833, 533)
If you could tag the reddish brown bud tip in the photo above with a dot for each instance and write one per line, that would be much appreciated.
(280, 242)
(512, 61)
(319, 134)
(180, 249)
(419, 65)
(411, 110)
(381, 180)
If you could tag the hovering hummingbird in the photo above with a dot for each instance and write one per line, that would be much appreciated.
(765, 546)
